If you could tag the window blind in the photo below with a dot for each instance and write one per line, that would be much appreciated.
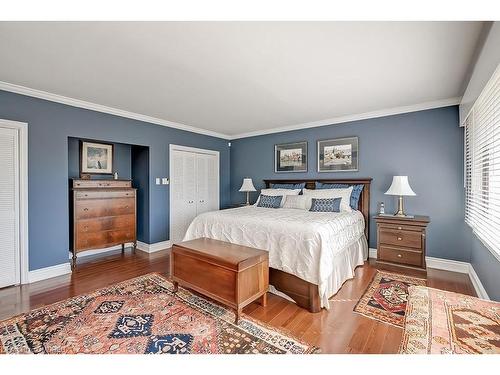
(482, 165)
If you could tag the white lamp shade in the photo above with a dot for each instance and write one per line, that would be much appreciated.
(400, 186)
(247, 185)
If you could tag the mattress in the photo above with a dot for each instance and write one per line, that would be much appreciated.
(303, 243)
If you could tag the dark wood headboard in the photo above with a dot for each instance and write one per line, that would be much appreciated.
(364, 201)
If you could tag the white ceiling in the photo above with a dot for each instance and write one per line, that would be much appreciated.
(237, 77)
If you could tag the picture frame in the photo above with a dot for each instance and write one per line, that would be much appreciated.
(96, 158)
(290, 157)
(338, 155)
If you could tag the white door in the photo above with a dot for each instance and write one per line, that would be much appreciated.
(10, 269)
(182, 193)
(194, 187)
(202, 200)
(212, 195)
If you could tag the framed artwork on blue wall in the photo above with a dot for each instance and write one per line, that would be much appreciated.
(338, 155)
(96, 158)
(290, 157)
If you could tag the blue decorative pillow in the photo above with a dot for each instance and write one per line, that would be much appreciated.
(270, 201)
(325, 205)
(289, 186)
(355, 195)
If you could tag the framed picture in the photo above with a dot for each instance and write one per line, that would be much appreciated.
(338, 155)
(290, 157)
(96, 158)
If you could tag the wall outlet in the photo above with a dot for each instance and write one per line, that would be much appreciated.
(165, 181)
(157, 180)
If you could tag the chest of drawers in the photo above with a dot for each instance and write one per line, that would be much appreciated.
(401, 240)
(103, 214)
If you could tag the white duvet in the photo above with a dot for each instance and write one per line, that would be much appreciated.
(299, 242)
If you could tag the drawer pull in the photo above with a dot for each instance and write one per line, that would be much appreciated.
(400, 239)
(85, 209)
(400, 256)
(400, 228)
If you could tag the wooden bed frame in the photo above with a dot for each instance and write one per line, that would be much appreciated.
(304, 293)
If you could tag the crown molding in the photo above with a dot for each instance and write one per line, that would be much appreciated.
(5, 86)
(356, 117)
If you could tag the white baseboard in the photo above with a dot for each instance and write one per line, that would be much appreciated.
(454, 266)
(476, 282)
(49, 272)
(153, 247)
(99, 251)
(372, 253)
(447, 265)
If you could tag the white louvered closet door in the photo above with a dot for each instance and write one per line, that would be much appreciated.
(9, 207)
(212, 198)
(183, 193)
(194, 189)
(201, 183)
(207, 178)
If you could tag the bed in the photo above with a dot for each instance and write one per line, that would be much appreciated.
(311, 254)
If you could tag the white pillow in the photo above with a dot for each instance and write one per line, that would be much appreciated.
(297, 202)
(276, 192)
(344, 194)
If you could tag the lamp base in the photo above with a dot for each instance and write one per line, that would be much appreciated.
(401, 212)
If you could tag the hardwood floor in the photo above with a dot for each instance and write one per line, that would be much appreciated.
(338, 330)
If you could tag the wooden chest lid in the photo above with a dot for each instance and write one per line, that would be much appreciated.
(225, 254)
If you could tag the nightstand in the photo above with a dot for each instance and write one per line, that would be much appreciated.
(401, 241)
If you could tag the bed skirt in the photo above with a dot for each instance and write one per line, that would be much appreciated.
(344, 264)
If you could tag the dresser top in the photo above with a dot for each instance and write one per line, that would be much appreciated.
(100, 184)
(402, 219)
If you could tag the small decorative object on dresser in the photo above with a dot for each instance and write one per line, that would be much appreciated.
(231, 274)
(247, 187)
(401, 240)
(103, 214)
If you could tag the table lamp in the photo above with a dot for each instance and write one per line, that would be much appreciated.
(247, 187)
(400, 187)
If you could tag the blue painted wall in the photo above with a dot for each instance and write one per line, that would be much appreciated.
(140, 181)
(427, 146)
(50, 125)
(122, 163)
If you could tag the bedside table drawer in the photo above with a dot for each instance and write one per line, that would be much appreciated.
(402, 256)
(403, 238)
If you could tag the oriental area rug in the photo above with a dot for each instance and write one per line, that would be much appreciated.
(386, 296)
(141, 316)
(439, 322)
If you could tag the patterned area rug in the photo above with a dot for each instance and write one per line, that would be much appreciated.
(141, 315)
(439, 322)
(385, 298)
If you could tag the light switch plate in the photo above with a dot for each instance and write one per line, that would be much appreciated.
(157, 180)
(164, 181)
